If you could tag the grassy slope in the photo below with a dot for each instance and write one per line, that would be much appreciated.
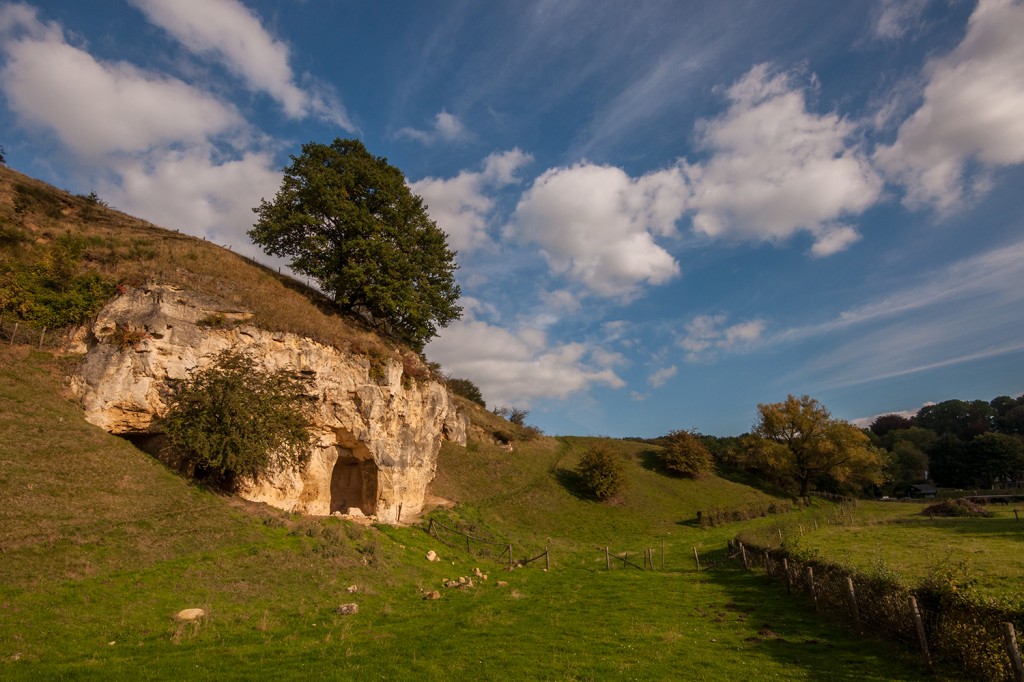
(988, 550)
(101, 546)
(131, 250)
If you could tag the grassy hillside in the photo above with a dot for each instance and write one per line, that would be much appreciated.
(34, 215)
(101, 547)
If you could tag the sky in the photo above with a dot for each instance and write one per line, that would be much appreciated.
(665, 212)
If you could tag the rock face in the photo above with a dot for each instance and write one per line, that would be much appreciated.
(376, 436)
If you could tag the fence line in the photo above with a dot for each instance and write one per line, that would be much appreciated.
(14, 330)
(946, 629)
(505, 553)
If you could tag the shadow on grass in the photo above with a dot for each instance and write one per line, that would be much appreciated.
(789, 631)
(573, 483)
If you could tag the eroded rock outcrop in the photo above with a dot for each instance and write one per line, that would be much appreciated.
(377, 435)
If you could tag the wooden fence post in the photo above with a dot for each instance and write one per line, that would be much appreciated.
(1016, 515)
(430, 528)
(767, 563)
(789, 576)
(42, 335)
(607, 559)
(854, 611)
(743, 551)
(663, 555)
(919, 624)
(780, 536)
(15, 332)
(810, 586)
(696, 558)
(1011, 648)
(510, 557)
(547, 556)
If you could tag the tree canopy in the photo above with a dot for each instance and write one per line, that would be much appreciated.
(349, 220)
(798, 439)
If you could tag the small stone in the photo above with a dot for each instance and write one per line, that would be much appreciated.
(433, 594)
(111, 643)
(348, 609)
(355, 512)
(190, 614)
(337, 514)
(502, 583)
(352, 589)
(432, 556)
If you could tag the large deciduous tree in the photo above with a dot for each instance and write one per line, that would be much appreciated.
(798, 439)
(349, 220)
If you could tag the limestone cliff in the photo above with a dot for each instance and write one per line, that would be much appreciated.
(377, 433)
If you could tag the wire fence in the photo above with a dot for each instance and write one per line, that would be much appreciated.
(16, 331)
(488, 549)
(970, 637)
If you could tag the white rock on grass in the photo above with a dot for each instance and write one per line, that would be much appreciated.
(190, 614)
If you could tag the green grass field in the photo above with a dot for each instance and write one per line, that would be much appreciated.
(101, 546)
(985, 550)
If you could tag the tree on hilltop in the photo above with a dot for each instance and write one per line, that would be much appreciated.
(349, 220)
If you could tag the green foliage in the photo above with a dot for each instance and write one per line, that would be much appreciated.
(685, 454)
(234, 422)
(348, 220)
(799, 440)
(52, 292)
(601, 473)
(467, 389)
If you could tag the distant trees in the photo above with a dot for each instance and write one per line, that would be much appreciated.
(601, 473)
(797, 439)
(684, 454)
(349, 220)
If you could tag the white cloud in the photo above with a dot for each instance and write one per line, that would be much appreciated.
(661, 376)
(833, 240)
(192, 191)
(777, 169)
(895, 18)
(706, 334)
(971, 111)
(158, 147)
(446, 127)
(235, 36)
(460, 205)
(518, 367)
(598, 225)
(964, 312)
(95, 107)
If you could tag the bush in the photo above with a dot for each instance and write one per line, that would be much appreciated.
(601, 474)
(467, 389)
(684, 454)
(233, 422)
(52, 292)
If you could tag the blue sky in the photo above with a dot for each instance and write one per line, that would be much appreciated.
(665, 212)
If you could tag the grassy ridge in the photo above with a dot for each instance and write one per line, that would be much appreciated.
(101, 546)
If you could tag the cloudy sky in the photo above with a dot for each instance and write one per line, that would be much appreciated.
(665, 212)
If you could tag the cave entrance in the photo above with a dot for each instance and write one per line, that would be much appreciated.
(353, 484)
